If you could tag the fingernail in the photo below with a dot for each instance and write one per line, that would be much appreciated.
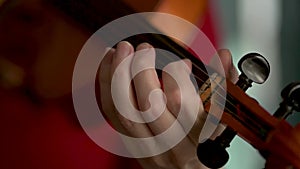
(144, 46)
(123, 48)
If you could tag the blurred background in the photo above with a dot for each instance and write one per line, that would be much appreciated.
(269, 27)
(40, 41)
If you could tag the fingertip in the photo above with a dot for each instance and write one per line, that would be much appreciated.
(224, 52)
(144, 46)
(188, 63)
(124, 43)
(225, 56)
(107, 59)
(109, 51)
(124, 48)
(227, 61)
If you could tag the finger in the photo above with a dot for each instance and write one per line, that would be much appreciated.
(171, 87)
(230, 70)
(106, 103)
(123, 50)
(123, 93)
(150, 97)
(145, 77)
(181, 94)
(147, 86)
(120, 70)
(224, 57)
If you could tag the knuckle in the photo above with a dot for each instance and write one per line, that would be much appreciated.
(174, 99)
(125, 122)
(156, 108)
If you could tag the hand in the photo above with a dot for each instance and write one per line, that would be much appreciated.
(183, 155)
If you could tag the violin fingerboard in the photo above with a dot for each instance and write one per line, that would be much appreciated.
(212, 85)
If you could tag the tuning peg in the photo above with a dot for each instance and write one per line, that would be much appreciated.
(254, 68)
(212, 153)
(291, 101)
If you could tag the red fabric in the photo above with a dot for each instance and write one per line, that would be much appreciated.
(210, 26)
(46, 138)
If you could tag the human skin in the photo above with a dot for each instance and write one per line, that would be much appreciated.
(183, 155)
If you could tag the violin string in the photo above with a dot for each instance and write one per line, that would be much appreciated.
(221, 95)
(255, 126)
(228, 110)
(218, 93)
(235, 115)
(141, 22)
(145, 24)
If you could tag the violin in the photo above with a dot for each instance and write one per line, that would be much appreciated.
(243, 116)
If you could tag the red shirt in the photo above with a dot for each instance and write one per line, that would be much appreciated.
(46, 137)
